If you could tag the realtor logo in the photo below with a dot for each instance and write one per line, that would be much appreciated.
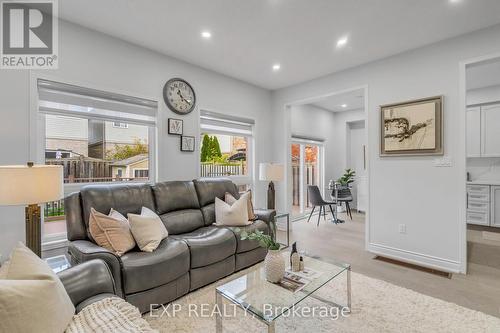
(29, 34)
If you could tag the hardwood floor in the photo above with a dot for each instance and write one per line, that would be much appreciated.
(478, 290)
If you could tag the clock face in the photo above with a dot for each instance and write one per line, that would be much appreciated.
(179, 96)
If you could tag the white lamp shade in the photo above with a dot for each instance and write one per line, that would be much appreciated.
(271, 171)
(23, 185)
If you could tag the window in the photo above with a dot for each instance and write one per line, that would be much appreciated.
(226, 147)
(96, 136)
(141, 174)
(120, 125)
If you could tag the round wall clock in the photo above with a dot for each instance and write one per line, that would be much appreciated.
(179, 96)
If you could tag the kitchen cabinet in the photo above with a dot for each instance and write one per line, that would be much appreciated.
(474, 132)
(483, 131)
(490, 130)
(495, 206)
(478, 204)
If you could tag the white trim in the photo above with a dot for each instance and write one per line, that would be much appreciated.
(416, 258)
(462, 153)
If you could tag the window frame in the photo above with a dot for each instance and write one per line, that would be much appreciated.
(37, 142)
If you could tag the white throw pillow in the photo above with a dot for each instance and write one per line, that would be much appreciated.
(148, 229)
(32, 298)
(235, 215)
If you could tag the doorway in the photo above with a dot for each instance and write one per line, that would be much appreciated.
(481, 114)
(306, 157)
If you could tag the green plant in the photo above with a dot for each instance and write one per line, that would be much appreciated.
(205, 148)
(265, 241)
(121, 152)
(347, 177)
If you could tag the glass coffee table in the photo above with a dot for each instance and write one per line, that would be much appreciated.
(267, 301)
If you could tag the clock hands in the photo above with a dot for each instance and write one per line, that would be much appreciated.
(182, 97)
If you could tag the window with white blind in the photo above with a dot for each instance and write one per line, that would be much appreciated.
(226, 147)
(97, 136)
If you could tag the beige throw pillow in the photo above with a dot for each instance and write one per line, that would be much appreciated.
(112, 231)
(147, 229)
(231, 200)
(32, 298)
(235, 215)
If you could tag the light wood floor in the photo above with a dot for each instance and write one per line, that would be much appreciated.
(478, 290)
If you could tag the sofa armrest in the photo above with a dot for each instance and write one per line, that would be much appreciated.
(87, 280)
(266, 215)
(82, 251)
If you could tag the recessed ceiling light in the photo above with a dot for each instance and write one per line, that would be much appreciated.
(276, 67)
(342, 41)
(454, 1)
(206, 34)
(344, 105)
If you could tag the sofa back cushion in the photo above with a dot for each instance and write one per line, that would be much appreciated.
(178, 206)
(124, 198)
(208, 189)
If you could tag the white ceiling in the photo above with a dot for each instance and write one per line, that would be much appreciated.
(353, 100)
(483, 75)
(249, 36)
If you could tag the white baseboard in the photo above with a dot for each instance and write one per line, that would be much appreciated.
(420, 259)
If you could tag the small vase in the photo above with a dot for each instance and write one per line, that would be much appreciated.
(274, 265)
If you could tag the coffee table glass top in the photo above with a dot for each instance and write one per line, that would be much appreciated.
(269, 301)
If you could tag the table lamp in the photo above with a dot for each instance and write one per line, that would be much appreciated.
(31, 185)
(271, 172)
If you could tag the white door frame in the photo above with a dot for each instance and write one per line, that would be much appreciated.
(462, 151)
(288, 139)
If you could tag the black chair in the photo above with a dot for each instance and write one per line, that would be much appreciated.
(316, 199)
(344, 196)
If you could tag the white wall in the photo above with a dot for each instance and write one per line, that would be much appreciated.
(408, 190)
(98, 61)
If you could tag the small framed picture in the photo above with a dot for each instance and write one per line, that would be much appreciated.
(187, 143)
(175, 126)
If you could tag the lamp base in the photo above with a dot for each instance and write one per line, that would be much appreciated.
(33, 229)
(270, 196)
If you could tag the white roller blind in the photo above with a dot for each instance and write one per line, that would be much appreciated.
(219, 123)
(69, 100)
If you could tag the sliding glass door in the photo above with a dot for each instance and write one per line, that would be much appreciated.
(307, 157)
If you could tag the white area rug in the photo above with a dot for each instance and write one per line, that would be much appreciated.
(377, 306)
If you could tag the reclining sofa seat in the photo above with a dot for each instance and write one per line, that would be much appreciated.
(195, 254)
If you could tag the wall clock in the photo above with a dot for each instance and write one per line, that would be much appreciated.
(179, 96)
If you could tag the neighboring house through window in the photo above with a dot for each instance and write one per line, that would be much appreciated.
(96, 136)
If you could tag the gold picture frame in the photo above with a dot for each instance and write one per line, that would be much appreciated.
(412, 128)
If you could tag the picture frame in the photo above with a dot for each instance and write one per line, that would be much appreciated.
(175, 126)
(412, 128)
(188, 143)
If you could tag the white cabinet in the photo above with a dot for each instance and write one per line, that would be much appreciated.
(478, 204)
(495, 206)
(474, 132)
(483, 131)
(490, 130)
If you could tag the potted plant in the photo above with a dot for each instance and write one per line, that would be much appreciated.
(347, 177)
(274, 263)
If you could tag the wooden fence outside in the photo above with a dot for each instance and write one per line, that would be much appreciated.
(221, 170)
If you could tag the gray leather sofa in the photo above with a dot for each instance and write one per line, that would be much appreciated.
(88, 283)
(196, 252)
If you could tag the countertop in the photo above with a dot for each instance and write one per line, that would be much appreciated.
(485, 182)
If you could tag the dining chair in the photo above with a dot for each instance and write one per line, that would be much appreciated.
(316, 199)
